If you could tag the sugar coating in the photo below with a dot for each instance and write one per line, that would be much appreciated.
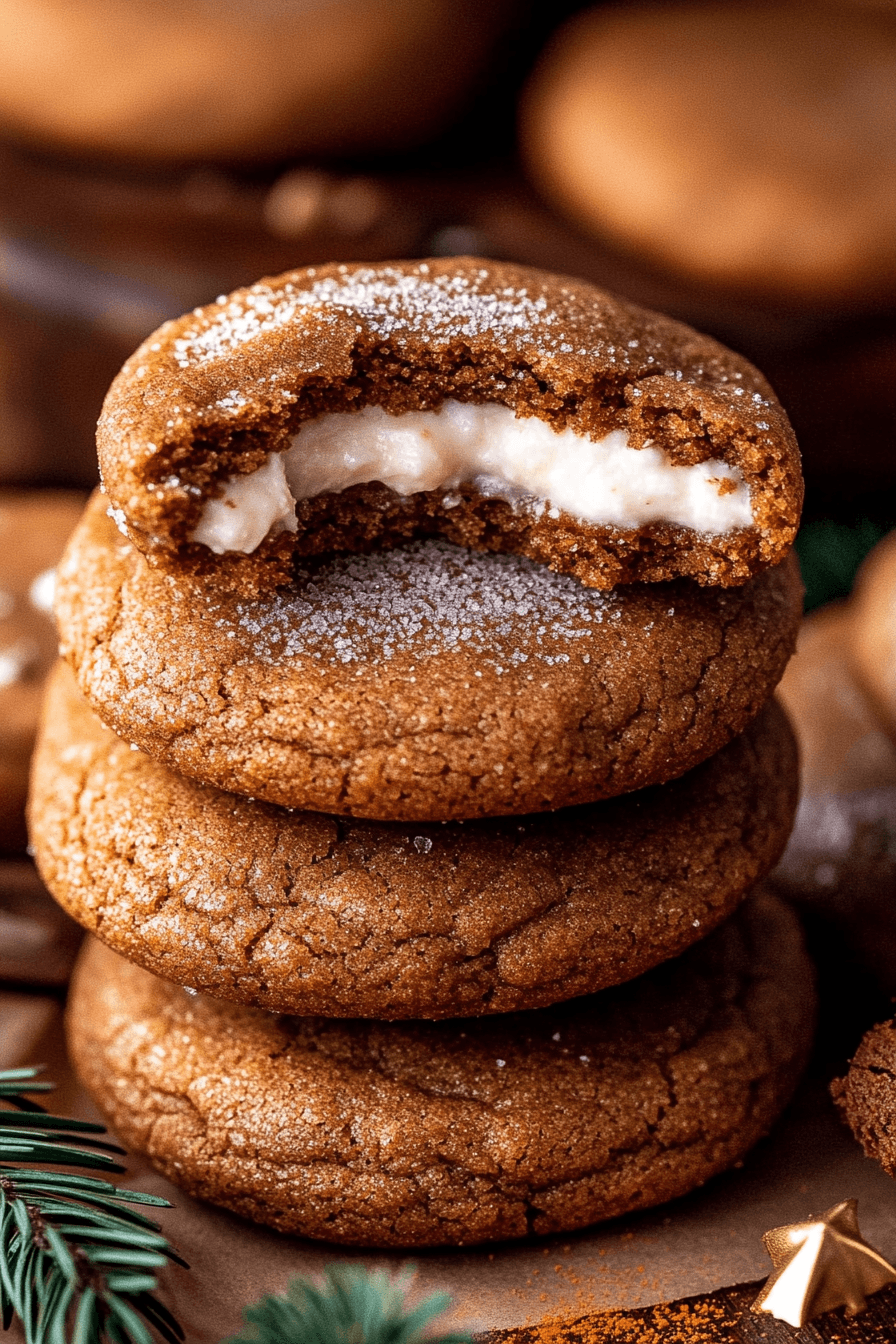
(522, 460)
(439, 701)
(386, 299)
(428, 598)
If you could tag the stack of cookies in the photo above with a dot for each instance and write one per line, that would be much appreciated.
(415, 764)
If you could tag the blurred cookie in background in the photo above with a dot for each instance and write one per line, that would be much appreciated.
(750, 147)
(840, 862)
(169, 81)
(874, 644)
(38, 942)
(843, 746)
(34, 527)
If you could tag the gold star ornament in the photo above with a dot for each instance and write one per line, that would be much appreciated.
(819, 1265)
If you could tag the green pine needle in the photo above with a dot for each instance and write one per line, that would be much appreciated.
(77, 1264)
(354, 1306)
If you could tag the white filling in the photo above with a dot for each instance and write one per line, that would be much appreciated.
(523, 461)
(250, 507)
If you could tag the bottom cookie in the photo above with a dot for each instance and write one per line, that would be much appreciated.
(455, 1132)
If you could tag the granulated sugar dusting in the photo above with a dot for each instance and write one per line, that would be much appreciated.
(429, 598)
(387, 300)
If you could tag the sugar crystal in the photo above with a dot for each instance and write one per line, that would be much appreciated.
(426, 598)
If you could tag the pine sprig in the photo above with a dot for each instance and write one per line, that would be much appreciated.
(77, 1263)
(354, 1306)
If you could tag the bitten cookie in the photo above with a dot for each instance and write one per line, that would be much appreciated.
(874, 629)
(298, 912)
(248, 79)
(426, 682)
(451, 1133)
(34, 527)
(750, 145)
(504, 408)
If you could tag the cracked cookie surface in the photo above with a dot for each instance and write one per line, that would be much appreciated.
(423, 683)
(452, 1133)
(866, 1097)
(302, 912)
(209, 397)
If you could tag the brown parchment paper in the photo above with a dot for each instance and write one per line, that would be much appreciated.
(709, 1239)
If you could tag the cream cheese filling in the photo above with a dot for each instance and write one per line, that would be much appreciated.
(521, 460)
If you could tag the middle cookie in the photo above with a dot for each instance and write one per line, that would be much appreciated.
(298, 912)
(429, 682)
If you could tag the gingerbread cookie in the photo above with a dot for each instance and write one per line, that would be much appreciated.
(843, 747)
(504, 408)
(874, 629)
(428, 682)
(34, 527)
(248, 79)
(298, 912)
(748, 145)
(452, 1133)
(867, 1095)
(840, 860)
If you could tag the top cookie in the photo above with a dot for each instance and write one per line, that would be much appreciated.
(352, 407)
